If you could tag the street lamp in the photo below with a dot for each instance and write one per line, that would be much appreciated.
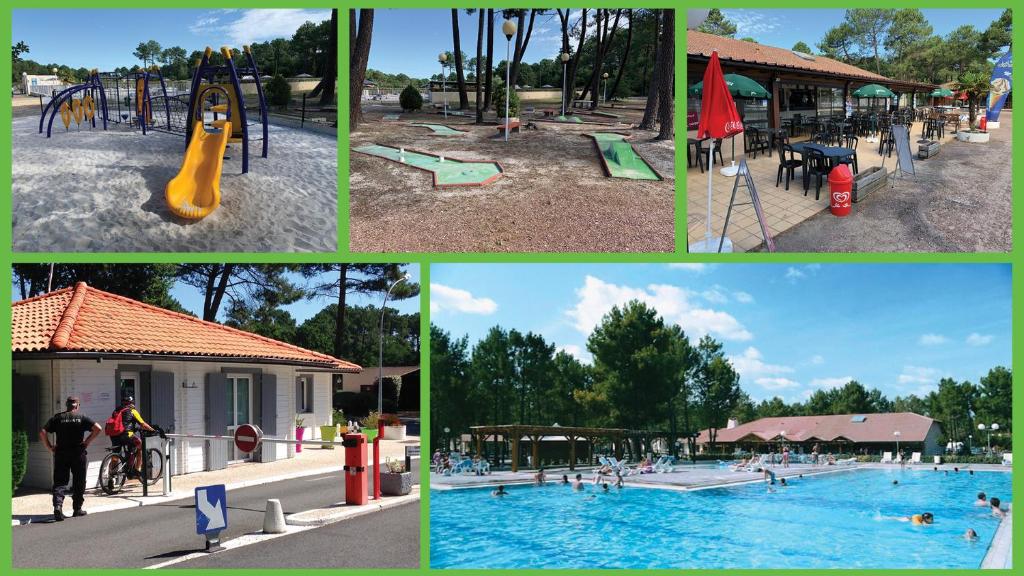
(970, 444)
(605, 97)
(990, 429)
(380, 392)
(442, 58)
(565, 60)
(508, 28)
(447, 438)
(897, 435)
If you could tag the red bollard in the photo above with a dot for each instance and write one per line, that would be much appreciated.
(355, 469)
(983, 124)
(840, 187)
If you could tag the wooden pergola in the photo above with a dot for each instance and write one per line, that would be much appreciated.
(515, 432)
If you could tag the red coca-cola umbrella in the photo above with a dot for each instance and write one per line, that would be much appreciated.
(718, 119)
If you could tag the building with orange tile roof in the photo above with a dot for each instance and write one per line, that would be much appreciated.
(187, 375)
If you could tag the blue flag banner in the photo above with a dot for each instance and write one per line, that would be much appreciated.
(999, 86)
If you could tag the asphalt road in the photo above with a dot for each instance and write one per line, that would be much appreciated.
(346, 544)
(138, 537)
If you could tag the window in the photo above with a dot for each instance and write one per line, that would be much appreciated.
(239, 401)
(304, 394)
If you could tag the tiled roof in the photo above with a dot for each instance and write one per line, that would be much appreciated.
(703, 44)
(85, 319)
(871, 428)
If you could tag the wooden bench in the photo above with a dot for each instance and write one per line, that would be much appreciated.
(581, 103)
(513, 126)
(548, 112)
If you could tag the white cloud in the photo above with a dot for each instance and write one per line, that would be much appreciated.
(689, 266)
(976, 339)
(742, 297)
(715, 295)
(776, 383)
(446, 298)
(794, 274)
(828, 383)
(751, 365)
(753, 22)
(258, 25)
(577, 352)
(919, 375)
(817, 359)
(932, 339)
(597, 297)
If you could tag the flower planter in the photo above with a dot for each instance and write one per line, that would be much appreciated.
(370, 433)
(867, 181)
(299, 433)
(974, 137)
(927, 149)
(395, 483)
(327, 434)
(394, 432)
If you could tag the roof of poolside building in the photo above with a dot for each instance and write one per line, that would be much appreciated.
(855, 428)
(82, 321)
(701, 45)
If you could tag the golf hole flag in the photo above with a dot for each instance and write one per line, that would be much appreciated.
(718, 119)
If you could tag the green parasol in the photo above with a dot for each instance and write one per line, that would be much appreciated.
(873, 91)
(739, 85)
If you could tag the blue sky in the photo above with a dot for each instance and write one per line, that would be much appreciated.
(788, 329)
(785, 27)
(105, 39)
(408, 41)
(192, 300)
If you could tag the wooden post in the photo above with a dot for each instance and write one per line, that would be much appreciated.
(535, 451)
(572, 452)
(590, 450)
(775, 118)
(515, 452)
(477, 438)
(617, 443)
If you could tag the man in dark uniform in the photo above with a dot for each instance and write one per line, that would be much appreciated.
(69, 455)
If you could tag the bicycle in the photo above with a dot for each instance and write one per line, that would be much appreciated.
(116, 466)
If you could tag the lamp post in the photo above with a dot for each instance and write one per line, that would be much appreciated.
(442, 58)
(897, 435)
(380, 392)
(508, 28)
(990, 429)
(565, 60)
(970, 444)
(605, 96)
(447, 438)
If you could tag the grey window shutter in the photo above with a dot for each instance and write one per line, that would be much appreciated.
(216, 420)
(161, 400)
(298, 395)
(25, 398)
(268, 404)
(146, 395)
(309, 394)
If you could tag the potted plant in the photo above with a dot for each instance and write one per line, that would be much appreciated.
(369, 426)
(395, 480)
(975, 84)
(338, 420)
(327, 434)
(499, 103)
(299, 432)
(393, 428)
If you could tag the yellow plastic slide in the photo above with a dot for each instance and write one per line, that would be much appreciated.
(195, 191)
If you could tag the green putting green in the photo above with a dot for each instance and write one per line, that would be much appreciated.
(439, 129)
(450, 172)
(391, 117)
(619, 158)
(570, 119)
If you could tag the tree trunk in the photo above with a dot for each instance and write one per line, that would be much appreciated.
(488, 85)
(330, 76)
(522, 41)
(210, 312)
(460, 73)
(651, 107)
(667, 73)
(360, 55)
(625, 54)
(339, 314)
(479, 56)
(574, 66)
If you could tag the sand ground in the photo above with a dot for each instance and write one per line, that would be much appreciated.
(554, 196)
(103, 191)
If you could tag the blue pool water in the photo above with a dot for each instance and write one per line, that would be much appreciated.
(829, 521)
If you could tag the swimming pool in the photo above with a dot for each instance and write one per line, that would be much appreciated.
(829, 521)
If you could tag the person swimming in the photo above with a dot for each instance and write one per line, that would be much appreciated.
(895, 482)
(500, 491)
(565, 479)
(769, 476)
(922, 519)
(982, 500)
(782, 482)
(996, 510)
(578, 484)
(970, 535)
(539, 477)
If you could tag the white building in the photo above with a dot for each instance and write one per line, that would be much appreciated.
(187, 375)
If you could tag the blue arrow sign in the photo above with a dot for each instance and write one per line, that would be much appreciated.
(211, 509)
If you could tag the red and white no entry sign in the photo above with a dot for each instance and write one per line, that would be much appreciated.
(248, 437)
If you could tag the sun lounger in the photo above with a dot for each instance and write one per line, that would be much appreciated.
(1007, 459)
(915, 458)
(847, 461)
(887, 458)
(664, 464)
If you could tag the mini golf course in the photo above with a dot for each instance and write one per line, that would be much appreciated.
(439, 129)
(446, 171)
(619, 158)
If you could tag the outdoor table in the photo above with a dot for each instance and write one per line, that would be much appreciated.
(832, 153)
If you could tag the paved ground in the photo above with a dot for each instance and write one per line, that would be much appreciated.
(959, 201)
(148, 535)
(553, 197)
(342, 544)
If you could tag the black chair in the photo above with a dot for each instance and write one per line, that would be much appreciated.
(705, 153)
(851, 142)
(787, 165)
(695, 156)
(886, 143)
(815, 165)
(755, 141)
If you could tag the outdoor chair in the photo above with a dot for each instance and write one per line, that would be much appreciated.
(756, 141)
(705, 153)
(887, 458)
(787, 165)
(850, 142)
(915, 458)
(816, 166)
(694, 144)
(886, 143)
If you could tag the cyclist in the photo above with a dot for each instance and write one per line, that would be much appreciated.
(131, 421)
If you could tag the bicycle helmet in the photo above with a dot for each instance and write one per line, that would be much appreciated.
(127, 399)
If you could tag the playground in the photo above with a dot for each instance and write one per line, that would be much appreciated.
(136, 161)
(572, 175)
